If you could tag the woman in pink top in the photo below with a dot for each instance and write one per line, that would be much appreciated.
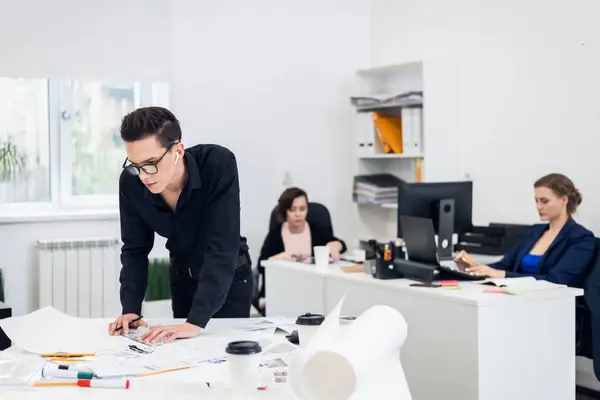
(294, 238)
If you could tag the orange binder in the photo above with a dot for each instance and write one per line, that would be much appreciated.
(389, 132)
(419, 170)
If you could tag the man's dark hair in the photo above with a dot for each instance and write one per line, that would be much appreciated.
(151, 121)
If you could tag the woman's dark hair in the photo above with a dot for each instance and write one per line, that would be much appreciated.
(151, 121)
(561, 186)
(286, 200)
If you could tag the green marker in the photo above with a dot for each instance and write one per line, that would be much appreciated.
(65, 373)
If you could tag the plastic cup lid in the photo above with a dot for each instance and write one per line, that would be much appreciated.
(243, 347)
(310, 319)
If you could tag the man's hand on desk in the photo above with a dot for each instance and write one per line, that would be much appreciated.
(484, 270)
(170, 332)
(125, 322)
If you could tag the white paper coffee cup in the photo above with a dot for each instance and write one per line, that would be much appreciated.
(307, 325)
(321, 257)
(243, 358)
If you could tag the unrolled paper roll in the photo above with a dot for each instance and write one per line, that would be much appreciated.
(363, 354)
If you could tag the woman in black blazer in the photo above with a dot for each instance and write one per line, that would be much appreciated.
(293, 238)
(558, 251)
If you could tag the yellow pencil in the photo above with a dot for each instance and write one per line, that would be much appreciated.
(74, 383)
(67, 355)
(67, 360)
(163, 371)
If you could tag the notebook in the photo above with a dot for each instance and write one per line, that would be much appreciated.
(520, 285)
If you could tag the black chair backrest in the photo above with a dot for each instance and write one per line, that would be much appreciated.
(591, 282)
(587, 313)
(318, 214)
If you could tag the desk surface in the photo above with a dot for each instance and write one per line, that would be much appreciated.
(185, 384)
(471, 293)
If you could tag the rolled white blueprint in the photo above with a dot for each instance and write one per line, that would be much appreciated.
(323, 338)
(362, 361)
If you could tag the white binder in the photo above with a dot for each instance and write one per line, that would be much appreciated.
(407, 131)
(417, 130)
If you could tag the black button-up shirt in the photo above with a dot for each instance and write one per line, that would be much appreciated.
(203, 233)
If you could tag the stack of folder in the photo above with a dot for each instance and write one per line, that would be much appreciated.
(495, 239)
(376, 189)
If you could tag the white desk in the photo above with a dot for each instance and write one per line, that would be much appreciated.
(185, 384)
(462, 344)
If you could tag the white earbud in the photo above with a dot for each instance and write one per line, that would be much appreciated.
(176, 158)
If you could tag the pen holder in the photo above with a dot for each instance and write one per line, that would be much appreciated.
(385, 270)
(398, 253)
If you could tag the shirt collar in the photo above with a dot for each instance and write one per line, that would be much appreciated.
(194, 181)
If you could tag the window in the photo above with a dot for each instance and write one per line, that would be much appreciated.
(60, 143)
(24, 141)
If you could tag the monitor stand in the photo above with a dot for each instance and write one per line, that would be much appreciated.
(445, 229)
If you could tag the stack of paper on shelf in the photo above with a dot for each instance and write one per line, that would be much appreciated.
(376, 189)
(387, 99)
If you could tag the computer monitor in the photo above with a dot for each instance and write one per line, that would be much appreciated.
(448, 204)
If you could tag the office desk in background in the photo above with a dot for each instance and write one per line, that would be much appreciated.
(462, 344)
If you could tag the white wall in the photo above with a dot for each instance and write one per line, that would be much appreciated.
(526, 80)
(268, 79)
(107, 39)
(525, 77)
(86, 38)
(273, 85)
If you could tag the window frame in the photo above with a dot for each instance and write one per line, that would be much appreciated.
(60, 110)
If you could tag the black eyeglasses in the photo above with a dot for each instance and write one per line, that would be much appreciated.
(148, 168)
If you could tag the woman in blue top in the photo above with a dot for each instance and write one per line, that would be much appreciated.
(560, 251)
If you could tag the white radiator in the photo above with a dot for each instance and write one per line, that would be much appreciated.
(80, 277)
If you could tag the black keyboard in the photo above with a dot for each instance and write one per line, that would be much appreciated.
(447, 273)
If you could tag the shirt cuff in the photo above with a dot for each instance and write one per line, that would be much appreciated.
(198, 319)
(129, 308)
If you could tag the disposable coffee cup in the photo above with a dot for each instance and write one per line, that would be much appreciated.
(321, 257)
(243, 358)
(308, 324)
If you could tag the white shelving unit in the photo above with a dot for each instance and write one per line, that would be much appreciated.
(390, 156)
(379, 221)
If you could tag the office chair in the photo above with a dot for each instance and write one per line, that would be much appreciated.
(587, 314)
(318, 214)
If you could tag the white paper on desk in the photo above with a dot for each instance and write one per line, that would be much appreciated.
(176, 355)
(284, 323)
(47, 330)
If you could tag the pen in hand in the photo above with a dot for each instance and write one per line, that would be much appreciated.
(130, 322)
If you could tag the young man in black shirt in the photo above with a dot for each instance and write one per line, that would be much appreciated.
(191, 197)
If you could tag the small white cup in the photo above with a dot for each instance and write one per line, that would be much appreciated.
(321, 257)
(359, 255)
(307, 325)
(243, 358)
